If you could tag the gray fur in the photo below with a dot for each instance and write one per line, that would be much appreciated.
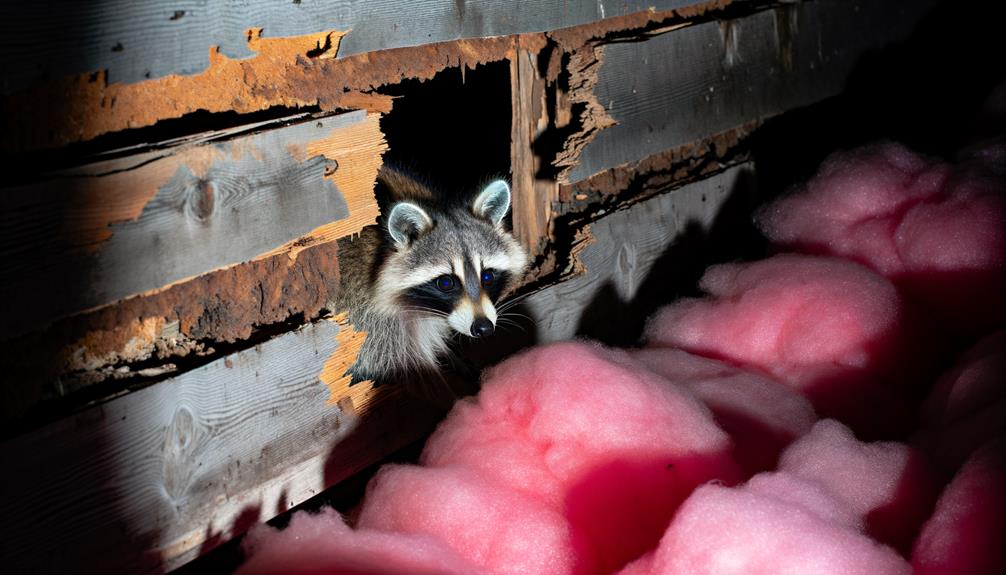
(386, 261)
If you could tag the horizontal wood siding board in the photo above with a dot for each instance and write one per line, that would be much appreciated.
(619, 258)
(127, 226)
(147, 481)
(135, 41)
(688, 84)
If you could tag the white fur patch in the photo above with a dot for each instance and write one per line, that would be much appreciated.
(462, 317)
(488, 309)
(513, 260)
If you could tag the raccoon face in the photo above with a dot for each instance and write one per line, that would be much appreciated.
(452, 264)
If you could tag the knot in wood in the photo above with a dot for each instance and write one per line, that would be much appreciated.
(201, 199)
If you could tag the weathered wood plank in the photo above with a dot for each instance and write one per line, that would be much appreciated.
(149, 480)
(654, 246)
(308, 70)
(127, 226)
(134, 41)
(701, 80)
(533, 195)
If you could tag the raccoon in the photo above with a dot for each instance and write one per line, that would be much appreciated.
(435, 266)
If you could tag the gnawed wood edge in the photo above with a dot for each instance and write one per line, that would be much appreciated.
(292, 71)
(357, 153)
(335, 374)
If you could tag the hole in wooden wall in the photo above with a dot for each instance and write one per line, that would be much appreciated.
(454, 129)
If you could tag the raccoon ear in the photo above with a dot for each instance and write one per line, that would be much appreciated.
(406, 222)
(493, 202)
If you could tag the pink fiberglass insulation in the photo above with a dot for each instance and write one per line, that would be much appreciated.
(889, 484)
(323, 545)
(949, 446)
(834, 330)
(760, 414)
(937, 231)
(967, 405)
(494, 527)
(724, 531)
(978, 380)
(588, 432)
(964, 536)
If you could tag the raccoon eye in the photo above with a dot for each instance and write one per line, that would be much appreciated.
(445, 283)
(488, 277)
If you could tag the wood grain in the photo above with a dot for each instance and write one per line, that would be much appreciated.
(691, 83)
(124, 227)
(149, 480)
(135, 41)
(533, 195)
(618, 254)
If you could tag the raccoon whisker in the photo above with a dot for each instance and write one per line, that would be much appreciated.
(426, 310)
(511, 314)
(503, 324)
(507, 304)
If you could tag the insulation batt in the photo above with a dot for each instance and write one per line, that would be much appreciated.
(889, 485)
(322, 544)
(965, 534)
(813, 516)
(833, 330)
(967, 405)
(588, 432)
(761, 415)
(978, 380)
(723, 531)
(498, 529)
(935, 230)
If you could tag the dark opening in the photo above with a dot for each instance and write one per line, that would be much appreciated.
(454, 129)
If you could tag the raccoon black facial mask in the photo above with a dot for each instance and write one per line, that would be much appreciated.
(445, 267)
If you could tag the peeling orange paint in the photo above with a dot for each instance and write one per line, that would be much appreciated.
(356, 150)
(334, 373)
(280, 74)
(92, 107)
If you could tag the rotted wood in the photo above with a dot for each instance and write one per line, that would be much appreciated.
(135, 41)
(114, 75)
(533, 191)
(152, 479)
(125, 227)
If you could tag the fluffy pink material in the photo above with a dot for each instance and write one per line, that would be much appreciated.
(494, 527)
(588, 432)
(323, 544)
(890, 485)
(978, 380)
(967, 405)
(761, 415)
(965, 534)
(832, 329)
(724, 531)
(938, 232)
(951, 445)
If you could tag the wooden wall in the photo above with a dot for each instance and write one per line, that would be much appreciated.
(172, 365)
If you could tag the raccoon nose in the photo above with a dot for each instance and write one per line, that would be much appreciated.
(482, 327)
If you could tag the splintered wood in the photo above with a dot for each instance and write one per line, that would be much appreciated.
(335, 374)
